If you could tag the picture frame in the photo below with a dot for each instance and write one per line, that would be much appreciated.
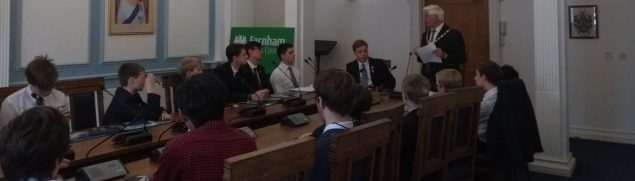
(583, 22)
(131, 17)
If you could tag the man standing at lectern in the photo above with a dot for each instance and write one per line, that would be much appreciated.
(449, 43)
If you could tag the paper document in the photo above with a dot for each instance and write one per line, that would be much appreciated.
(426, 54)
(304, 90)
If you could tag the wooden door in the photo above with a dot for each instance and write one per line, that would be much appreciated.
(471, 18)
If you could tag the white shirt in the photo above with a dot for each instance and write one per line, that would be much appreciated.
(281, 78)
(370, 80)
(339, 125)
(234, 70)
(22, 100)
(252, 66)
(487, 105)
(436, 33)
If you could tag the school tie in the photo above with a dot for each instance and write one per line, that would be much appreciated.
(364, 76)
(39, 101)
(258, 77)
(295, 81)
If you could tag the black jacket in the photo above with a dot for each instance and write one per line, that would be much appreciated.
(379, 73)
(512, 131)
(408, 144)
(452, 44)
(236, 85)
(251, 79)
(126, 107)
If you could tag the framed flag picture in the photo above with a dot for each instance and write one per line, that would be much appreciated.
(583, 22)
(131, 17)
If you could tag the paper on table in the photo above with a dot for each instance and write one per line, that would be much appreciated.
(426, 53)
(304, 90)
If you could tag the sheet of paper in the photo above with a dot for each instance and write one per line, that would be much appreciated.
(426, 54)
(304, 90)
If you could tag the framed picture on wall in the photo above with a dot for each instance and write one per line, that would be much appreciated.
(131, 17)
(583, 22)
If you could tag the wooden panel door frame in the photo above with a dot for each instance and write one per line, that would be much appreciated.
(493, 32)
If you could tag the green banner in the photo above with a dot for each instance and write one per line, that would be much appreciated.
(270, 38)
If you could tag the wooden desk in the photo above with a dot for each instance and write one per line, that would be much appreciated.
(265, 137)
(109, 151)
(274, 112)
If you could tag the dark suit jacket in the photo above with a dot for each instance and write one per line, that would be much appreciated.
(408, 144)
(452, 44)
(379, 73)
(126, 107)
(236, 85)
(512, 131)
(252, 80)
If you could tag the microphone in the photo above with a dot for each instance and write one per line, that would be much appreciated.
(293, 102)
(408, 66)
(310, 65)
(143, 135)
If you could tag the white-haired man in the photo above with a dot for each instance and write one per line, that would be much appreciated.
(449, 43)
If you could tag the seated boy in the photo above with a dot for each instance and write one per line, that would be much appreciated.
(200, 153)
(33, 145)
(41, 75)
(447, 79)
(127, 105)
(414, 87)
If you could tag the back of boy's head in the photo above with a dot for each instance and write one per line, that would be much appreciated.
(282, 49)
(189, 64)
(509, 73)
(338, 91)
(202, 98)
(415, 87)
(233, 50)
(491, 71)
(363, 101)
(449, 78)
(41, 73)
(33, 143)
(128, 70)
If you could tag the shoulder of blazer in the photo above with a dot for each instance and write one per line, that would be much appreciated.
(351, 66)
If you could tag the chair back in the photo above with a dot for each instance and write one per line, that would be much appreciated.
(86, 100)
(394, 113)
(169, 83)
(363, 146)
(463, 130)
(435, 113)
(285, 161)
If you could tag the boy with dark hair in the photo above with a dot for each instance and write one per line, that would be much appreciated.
(200, 153)
(238, 89)
(285, 76)
(42, 76)
(368, 71)
(254, 73)
(127, 105)
(33, 145)
(335, 102)
(487, 76)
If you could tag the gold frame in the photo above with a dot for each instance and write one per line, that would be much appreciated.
(131, 29)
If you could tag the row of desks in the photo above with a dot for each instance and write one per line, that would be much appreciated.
(266, 136)
(267, 128)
